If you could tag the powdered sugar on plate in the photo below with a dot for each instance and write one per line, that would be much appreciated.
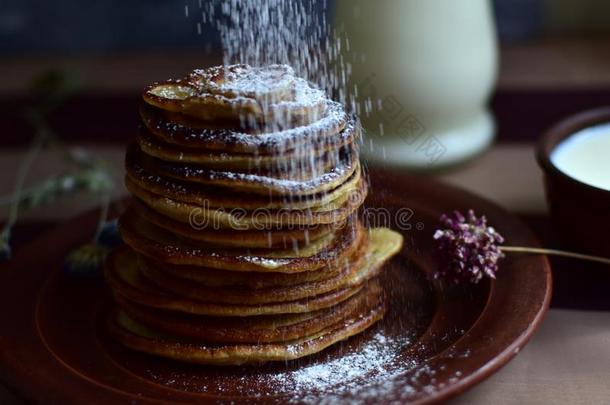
(365, 373)
(373, 360)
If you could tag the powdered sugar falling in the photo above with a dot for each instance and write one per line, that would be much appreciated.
(292, 32)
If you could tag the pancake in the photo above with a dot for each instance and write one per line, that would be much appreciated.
(333, 175)
(261, 280)
(251, 279)
(269, 84)
(271, 238)
(201, 216)
(126, 281)
(333, 128)
(256, 329)
(225, 94)
(140, 338)
(351, 276)
(124, 277)
(300, 157)
(139, 178)
(179, 323)
(305, 168)
(160, 245)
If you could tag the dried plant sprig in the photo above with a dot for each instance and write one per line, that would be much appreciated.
(5, 247)
(91, 180)
(91, 175)
(86, 260)
(468, 249)
(89, 258)
(37, 144)
(555, 252)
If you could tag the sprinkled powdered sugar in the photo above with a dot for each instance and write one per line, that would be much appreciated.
(244, 80)
(341, 171)
(268, 263)
(372, 362)
(366, 372)
(345, 373)
(304, 95)
(274, 34)
(265, 32)
(334, 117)
(274, 88)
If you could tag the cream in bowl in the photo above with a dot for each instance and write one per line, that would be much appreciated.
(585, 156)
(575, 157)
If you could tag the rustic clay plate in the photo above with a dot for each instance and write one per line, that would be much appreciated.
(435, 342)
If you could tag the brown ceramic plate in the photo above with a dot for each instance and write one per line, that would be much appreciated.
(435, 342)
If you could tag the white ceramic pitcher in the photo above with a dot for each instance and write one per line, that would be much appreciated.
(426, 67)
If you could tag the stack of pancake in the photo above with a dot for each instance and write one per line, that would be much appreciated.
(243, 243)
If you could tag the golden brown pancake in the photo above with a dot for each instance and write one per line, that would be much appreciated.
(140, 338)
(201, 216)
(141, 181)
(161, 245)
(281, 238)
(267, 84)
(334, 128)
(255, 329)
(265, 184)
(233, 98)
(238, 328)
(353, 274)
(241, 219)
(125, 279)
(250, 279)
(153, 146)
(302, 170)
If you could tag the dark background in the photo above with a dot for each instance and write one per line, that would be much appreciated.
(64, 27)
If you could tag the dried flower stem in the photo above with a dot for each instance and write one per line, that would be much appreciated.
(22, 172)
(103, 216)
(468, 249)
(554, 252)
(91, 175)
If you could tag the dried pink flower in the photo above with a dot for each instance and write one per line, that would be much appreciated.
(467, 248)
